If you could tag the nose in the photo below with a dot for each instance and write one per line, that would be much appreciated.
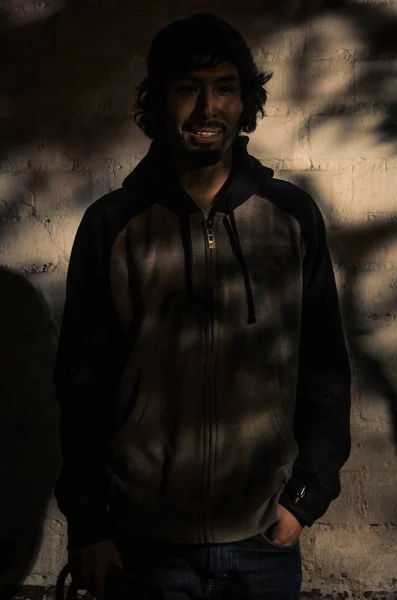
(206, 104)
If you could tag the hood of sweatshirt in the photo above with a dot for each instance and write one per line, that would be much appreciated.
(155, 173)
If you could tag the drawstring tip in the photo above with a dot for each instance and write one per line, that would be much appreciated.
(251, 321)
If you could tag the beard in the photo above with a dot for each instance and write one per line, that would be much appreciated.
(203, 157)
(198, 157)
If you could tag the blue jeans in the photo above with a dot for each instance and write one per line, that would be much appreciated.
(253, 569)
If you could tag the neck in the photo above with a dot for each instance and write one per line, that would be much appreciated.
(203, 184)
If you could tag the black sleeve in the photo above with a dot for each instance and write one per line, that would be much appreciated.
(322, 417)
(85, 377)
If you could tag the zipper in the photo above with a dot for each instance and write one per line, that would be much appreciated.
(301, 493)
(208, 407)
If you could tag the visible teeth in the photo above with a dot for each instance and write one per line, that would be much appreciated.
(207, 133)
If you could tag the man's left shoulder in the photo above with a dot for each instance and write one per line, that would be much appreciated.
(292, 199)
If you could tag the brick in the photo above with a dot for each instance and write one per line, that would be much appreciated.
(375, 83)
(364, 245)
(51, 281)
(61, 194)
(28, 242)
(377, 382)
(377, 239)
(331, 36)
(379, 496)
(276, 45)
(283, 164)
(51, 556)
(348, 507)
(372, 451)
(103, 138)
(279, 138)
(52, 511)
(373, 187)
(348, 137)
(16, 200)
(329, 86)
(63, 231)
(372, 294)
(121, 170)
(360, 551)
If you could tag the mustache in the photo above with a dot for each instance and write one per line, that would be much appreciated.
(211, 124)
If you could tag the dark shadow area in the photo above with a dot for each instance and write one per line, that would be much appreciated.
(69, 78)
(28, 424)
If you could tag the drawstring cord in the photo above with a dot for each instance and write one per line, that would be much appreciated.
(232, 232)
(188, 252)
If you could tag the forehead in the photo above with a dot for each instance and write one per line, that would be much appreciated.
(212, 73)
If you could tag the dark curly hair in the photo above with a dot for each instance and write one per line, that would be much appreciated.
(202, 40)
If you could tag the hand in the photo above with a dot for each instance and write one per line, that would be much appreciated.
(287, 529)
(89, 566)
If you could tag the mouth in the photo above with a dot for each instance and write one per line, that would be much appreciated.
(203, 132)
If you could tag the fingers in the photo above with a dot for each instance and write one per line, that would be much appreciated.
(89, 566)
(80, 578)
(287, 528)
(91, 581)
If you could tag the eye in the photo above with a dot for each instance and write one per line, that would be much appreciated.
(187, 89)
(226, 89)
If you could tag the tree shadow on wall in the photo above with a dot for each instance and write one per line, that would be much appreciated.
(369, 327)
(29, 449)
(372, 332)
(70, 76)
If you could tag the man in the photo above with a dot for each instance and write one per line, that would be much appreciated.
(202, 372)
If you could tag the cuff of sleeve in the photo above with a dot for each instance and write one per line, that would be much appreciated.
(305, 499)
(88, 525)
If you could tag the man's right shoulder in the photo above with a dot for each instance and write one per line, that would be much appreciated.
(114, 203)
(113, 210)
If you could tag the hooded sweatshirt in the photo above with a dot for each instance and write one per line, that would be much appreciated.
(202, 371)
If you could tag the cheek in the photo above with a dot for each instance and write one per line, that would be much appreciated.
(180, 110)
(235, 111)
(185, 110)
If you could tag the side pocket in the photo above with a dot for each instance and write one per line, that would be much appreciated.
(263, 537)
(133, 411)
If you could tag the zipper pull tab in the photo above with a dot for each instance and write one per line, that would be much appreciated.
(210, 238)
(300, 494)
(210, 231)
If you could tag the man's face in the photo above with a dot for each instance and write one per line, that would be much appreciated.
(202, 112)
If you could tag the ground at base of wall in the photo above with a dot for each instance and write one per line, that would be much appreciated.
(48, 593)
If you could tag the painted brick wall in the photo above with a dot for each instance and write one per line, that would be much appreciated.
(67, 136)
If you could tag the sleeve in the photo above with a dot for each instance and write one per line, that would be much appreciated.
(322, 416)
(85, 375)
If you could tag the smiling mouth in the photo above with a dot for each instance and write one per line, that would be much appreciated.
(206, 133)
